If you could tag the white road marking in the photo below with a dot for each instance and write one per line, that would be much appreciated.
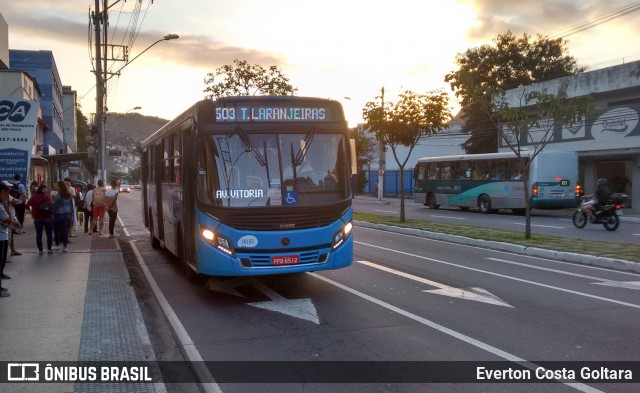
(386, 211)
(504, 276)
(450, 332)
(451, 218)
(184, 340)
(126, 233)
(476, 294)
(547, 269)
(298, 308)
(600, 281)
(620, 284)
(504, 252)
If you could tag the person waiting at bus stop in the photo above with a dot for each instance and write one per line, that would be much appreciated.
(598, 198)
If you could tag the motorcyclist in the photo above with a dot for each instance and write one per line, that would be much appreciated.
(598, 198)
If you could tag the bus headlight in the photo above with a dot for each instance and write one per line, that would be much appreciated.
(221, 243)
(340, 236)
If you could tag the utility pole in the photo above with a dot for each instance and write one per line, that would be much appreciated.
(381, 161)
(99, 119)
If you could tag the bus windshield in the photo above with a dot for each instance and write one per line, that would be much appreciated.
(259, 170)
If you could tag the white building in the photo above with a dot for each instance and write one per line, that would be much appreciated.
(608, 141)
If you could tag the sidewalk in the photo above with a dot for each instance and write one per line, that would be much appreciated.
(75, 306)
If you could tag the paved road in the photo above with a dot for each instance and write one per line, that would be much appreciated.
(556, 223)
(407, 298)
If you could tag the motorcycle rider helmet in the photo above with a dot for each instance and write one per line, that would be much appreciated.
(602, 182)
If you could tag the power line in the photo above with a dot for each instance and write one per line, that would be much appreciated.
(598, 21)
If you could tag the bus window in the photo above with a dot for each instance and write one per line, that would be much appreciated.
(432, 171)
(480, 170)
(500, 170)
(445, 170)
(463, 170)
(517, 170)
(166, 160)
(177, 157)
(420, 172)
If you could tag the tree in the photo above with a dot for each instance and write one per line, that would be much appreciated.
(405, 122)
(509, 63)
(86, 142)
(546, 114)
(243, 79)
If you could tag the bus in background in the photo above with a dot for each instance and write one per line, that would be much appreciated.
(251, 185)
(494, 181)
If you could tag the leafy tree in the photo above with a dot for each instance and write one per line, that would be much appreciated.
(509, 63)
(544, 114)
(405, 122)
(86, 141)
(243, 79)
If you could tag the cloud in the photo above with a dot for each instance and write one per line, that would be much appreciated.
(546, 17)
(197, 51)
(193, 51)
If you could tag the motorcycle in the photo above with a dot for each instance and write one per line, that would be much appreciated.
(607, 215)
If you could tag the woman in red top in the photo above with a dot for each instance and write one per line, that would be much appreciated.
(41, 208)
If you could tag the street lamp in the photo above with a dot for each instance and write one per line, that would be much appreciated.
(167, 37)
(100, 112)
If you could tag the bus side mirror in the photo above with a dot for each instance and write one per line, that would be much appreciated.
(354, 157)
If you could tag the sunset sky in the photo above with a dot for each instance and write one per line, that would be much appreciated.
(330, 49)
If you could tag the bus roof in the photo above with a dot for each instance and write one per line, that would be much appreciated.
(492, 156)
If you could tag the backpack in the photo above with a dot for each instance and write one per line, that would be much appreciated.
(15, 190)
(46, 208)
(98, 197)
(79, 203)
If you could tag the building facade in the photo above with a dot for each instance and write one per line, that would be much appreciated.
(42, 66)
(607, 141)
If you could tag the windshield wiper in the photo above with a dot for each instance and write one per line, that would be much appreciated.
(302, 153)
(252, 148)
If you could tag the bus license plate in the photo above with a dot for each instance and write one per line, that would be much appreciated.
(285, 260)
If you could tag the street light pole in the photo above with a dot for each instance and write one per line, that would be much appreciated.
(101, 79)
(99, 118)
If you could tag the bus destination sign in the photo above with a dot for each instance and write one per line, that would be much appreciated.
(273, 113)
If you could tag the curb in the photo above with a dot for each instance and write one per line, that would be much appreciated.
(609, 263)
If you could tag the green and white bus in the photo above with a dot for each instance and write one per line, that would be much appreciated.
(495, 181)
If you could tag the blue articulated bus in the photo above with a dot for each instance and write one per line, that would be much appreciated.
(246, 186)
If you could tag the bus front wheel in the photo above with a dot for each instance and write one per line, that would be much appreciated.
(484, 204)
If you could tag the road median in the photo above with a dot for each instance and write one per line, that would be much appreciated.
(619, 256)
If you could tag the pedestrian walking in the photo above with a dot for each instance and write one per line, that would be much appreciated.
(16, 228)
(41, 207)
(99, 207)
(33, 188)
(88, 207)
(5, 222)
(112, 206)
(72, 222)
(62, 208)
(22, 199)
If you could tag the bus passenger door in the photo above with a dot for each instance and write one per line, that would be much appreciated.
(158, 215)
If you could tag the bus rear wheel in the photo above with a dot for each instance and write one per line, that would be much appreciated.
(484, 204)
(431, 202)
